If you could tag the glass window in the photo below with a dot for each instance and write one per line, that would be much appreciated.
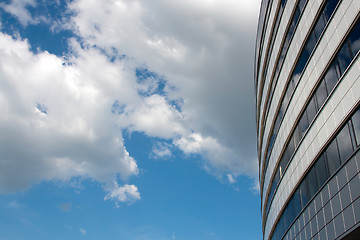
(311, 110)
(296, 137)
(304, 194)
(356, 123)
(301, 64)
(322, 173)
(294, 21)
(344, 57)
(301, 4)
(332, 156)
(313, 183)
(291, 147)
(310, 45)
(332, 76)
(297, 202)
(330, 7)
(321, 94)
(354, 39)
(344, 143)
(303, 124)
(320, 25)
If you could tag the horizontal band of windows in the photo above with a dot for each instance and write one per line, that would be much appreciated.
(340, 149)
(291, 28)
(346, 55)
(311, 42)
(263, 20)
(309, 46)
(298, 9)
(268, 52)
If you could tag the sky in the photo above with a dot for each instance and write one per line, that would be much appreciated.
(128, 119)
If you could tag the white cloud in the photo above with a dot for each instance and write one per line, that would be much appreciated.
(58, 118)
(56, 121)
(123, 194)
(19, 9)
(230, 178)
(204, 49)
(161, 150)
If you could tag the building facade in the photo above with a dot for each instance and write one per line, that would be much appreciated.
(307, 83)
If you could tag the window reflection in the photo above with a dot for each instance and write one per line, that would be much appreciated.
(344, 143)
(332, 155)
(321, 94)
(356, 124)
(317, 176)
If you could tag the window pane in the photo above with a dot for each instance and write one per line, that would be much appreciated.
(313, 186)
(296, 137)
(344, 142)
(356, 123)
(344, 57)
(330, 7)
(297, 202)
(294, 21)
(332, 76)
(301, 64)
(354, 39)
(321, 170)
(321, 94)
(301, 4)
(332, 155)
(320, 25)
(310, 45)
(303, 124)
(304, 195)
(311, 110)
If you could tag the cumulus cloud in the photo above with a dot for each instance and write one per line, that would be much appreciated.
(63, 117)
(203, 49)
(19, 9)
(123, 194)
(56, 121)
(161, 150)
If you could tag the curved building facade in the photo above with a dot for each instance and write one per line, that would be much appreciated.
(307, 84)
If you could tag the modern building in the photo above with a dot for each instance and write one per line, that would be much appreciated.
(307, 83)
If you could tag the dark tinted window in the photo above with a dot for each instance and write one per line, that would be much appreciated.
(304, 195)
(303, 124)
(321, 170)
(297, 202)
(354, 40)
(330, 7)
(356, 124)
(344, 57)
(332, 77)
(296, 137)
(311, 109)
(321, 94)
(344, 143)
(310, 45)
(332, 155)
(320, 25)
(313, 183)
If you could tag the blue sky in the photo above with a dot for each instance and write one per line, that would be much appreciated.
(128, 120)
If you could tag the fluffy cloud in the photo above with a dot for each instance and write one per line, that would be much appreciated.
(126, 193)
(63, 117)
(19, 9)
(56, 121)
(203, 48)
